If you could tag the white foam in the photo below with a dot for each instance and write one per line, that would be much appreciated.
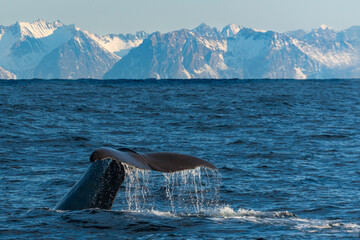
(314, 225)
(194, 193)
(280, 218)
(162, 214)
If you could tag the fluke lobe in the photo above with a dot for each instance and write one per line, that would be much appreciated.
(98, 186)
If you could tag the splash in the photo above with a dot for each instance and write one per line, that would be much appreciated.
(189, 191)
(280, 218)
(195, 193)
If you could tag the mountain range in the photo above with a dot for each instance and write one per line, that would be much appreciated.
(57, 51)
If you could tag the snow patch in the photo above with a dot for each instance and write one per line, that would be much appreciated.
(78, 40)
(234, 28)
(115, 44)
(38, 29)
(1, 33)
(259, 30)
(331, 58)
(206, 71)
(323, 27)
(4, 74)
(187, 74)
(299, 74)
(231, 30)
(215, 45)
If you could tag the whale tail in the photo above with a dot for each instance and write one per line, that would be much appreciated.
(98, 186)
(161, 161)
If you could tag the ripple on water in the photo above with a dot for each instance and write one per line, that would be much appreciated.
(281, 147)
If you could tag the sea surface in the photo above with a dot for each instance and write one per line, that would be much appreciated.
(287, 153)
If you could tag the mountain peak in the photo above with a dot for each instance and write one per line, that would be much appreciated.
(202, 27)
(206, 30)
(141, 34)
(51, 49)
(230, 30)
(38, 29)
(323, 27)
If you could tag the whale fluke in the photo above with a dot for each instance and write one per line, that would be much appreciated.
(161, 161)
(98, 186)
(125, 156)
(173, 162)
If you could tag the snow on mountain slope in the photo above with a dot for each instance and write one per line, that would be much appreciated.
(181, 54)
(254, 54)
(335, 52)
(321, 53)
(230, 30)
(38, 29)
(80, 57)
(210, 37)
(243, 53)
(249, 43)
(54, 50)
(23, 45)
(4, 74)
(121, 44)
(331, 58)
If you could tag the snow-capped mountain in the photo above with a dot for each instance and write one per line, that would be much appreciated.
(179, 54)
(55, 50)
(257, 54)
(22, 45)
(239, 52)
(80, 57)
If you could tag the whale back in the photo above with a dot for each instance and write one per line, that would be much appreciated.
(97, 188)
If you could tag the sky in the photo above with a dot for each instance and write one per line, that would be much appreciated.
(129, 16)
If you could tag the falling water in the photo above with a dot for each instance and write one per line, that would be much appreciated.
(186, 191)
(137, 187)
(192, 190)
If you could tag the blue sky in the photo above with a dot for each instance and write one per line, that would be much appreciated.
(129, 16)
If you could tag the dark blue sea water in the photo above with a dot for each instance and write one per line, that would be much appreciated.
(287, 152)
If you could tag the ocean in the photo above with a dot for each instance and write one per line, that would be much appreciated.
(287, 153)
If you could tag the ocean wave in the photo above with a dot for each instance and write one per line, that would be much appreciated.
(279, 218)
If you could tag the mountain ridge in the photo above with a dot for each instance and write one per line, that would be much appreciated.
(54, 50)
(25, 48)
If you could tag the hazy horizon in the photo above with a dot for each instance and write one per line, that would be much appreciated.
(195, 26)
(110, 16)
